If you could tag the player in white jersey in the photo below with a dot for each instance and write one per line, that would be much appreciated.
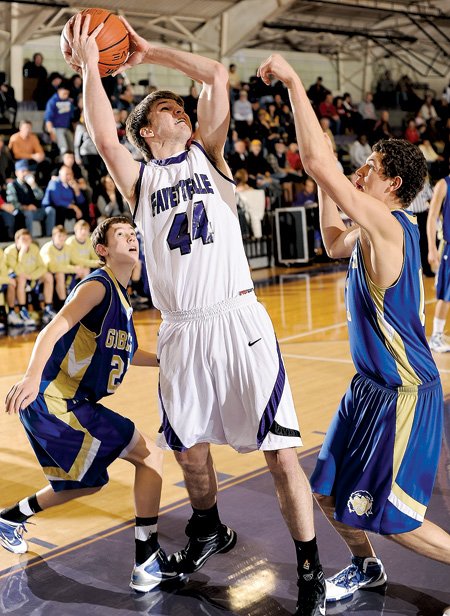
(222, 378)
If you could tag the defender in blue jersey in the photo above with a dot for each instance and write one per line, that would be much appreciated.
(378, 462)
(79, 358)
(440, 262)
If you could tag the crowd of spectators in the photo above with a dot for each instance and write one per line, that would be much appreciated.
(53, 180)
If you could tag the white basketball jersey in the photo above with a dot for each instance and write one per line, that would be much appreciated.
(186, 213)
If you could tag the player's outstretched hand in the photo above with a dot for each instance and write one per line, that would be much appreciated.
(82, 44)
(139, 48)
(21, 395)
(276, 66)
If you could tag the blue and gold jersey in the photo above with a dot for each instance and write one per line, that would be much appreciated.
(446, 212)
(386, 326)
(90, 361)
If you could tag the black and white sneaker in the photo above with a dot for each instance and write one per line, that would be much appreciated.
(199, 549)
(311, 594)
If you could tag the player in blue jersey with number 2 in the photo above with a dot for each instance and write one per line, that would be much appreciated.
(377, 465)
(79, 358)
(222, 378)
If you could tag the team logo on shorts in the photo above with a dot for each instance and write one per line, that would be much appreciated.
(360, 502)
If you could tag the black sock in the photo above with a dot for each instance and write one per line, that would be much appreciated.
(307, 556)
(21, 511)
(204, 521)
(146, 538)
(22, 306)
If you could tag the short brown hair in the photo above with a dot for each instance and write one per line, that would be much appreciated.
(138, 118)
(81, 224)
(99, 235)
(58, 229)
(20, 232)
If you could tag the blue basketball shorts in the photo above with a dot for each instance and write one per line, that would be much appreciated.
(76, 446)
(380, 455)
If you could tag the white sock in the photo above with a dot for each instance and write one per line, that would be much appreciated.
(438, 326)
(25, 508)
(142, 533)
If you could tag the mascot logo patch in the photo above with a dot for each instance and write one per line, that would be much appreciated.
(360, 502)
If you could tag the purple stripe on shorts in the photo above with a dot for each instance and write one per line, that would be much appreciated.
(170, 435)
(272, 406)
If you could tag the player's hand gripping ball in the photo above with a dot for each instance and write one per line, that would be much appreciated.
(112, 41)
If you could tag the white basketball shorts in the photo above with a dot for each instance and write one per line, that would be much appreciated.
(222, 379)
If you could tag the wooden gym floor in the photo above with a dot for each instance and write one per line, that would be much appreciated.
(81, 553)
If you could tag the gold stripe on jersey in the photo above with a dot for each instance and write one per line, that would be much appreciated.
(119, 290)
(74, 365)
(88, 449)
(392, 338)
(405, 413)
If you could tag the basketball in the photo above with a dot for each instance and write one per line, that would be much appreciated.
(112, 41)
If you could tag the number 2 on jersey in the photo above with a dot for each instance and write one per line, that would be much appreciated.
(179, 236)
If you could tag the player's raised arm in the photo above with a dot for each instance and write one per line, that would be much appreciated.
(213, 109)
(97, 110)
(319, 161)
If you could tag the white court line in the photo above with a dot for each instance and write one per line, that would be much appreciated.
(315, 358)
(327, 329)
(334, 360)
(313, 331)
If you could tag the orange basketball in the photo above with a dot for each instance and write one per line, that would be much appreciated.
(112, 41)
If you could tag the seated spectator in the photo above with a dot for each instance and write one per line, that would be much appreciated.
(25, 195)
(57, 257)
(238, 159)
(428, 110)
(8, 104)
(86, 154)
(293, 157)
(366, 109)
(382, 128)
(411, 133)
(110, 202)
(59, 112)
(65, 195)
(282, 171)
(308, 195)
(234, 80)
(385, 91)
(35, 68)
(260, 128)
(421, 125)
(76, 87)
(328, 110)
(126, 99)
(190, 104)
(434, 160)
(325, 125)
(11, 219)
(68, 160)
(25, 145)
(360, 151)
(44, 92)
(8, 288)
(273, 118)
(6, 163)
(252, 205)
(23, 259)
(82, 252)
(316, 93)
(242, 114)
(260, 173)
